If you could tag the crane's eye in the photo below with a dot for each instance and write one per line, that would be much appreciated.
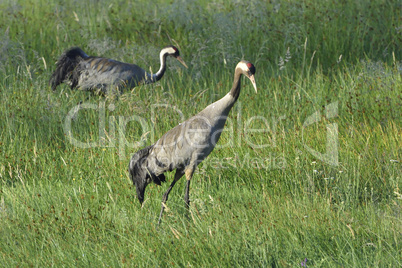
(251, 68)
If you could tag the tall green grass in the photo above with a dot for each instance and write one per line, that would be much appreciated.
(251, 205)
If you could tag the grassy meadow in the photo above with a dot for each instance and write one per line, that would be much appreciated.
(307, 172)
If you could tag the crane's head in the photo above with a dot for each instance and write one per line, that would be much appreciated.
(248, 70)
(174, 52)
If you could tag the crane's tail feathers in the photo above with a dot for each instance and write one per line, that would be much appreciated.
(158, 179)
(140, 174)
(66, 68)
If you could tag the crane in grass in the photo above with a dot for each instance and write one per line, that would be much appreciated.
(185, 146)
(96, 74)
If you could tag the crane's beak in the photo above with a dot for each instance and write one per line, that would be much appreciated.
(181, 61)
(252, 79)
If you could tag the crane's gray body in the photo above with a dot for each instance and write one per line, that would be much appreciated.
(185, 146)
(100, 73)
(189, 143)
(81, 71)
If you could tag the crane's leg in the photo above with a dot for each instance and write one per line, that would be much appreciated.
(189, 175)
(177, 177)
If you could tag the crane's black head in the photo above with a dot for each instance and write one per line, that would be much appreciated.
(248, 69)
(251, 67)
(174, 52)
(171, 51)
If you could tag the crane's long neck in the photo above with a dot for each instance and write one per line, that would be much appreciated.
(162, 69)
(217, 113)
(235, 91)
(223, 106)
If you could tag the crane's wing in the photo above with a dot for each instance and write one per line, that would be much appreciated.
(187, 143)
(98, 72)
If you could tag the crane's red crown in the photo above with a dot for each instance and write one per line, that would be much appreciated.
(251, 67)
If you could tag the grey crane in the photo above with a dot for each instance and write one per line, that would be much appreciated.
(186, 145)
(78, 69)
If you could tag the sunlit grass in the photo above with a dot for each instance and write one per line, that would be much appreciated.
(261, 198)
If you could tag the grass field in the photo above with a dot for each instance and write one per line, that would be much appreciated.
(307, 172)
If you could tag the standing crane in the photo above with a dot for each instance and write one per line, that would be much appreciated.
(85, 72)
(186, 145)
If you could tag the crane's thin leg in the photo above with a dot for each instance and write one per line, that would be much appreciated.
(177, 176)
(189, 175)
(186, 195)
